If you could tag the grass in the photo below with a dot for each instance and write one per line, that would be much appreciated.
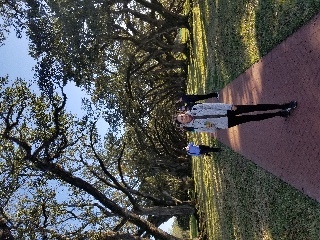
(229, 36)
(242, 201)
(238, 199)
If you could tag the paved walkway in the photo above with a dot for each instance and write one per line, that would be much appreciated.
(290, 149)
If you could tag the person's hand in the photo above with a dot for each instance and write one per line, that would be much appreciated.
(233, 108)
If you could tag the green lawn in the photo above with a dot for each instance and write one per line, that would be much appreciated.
(238, 199)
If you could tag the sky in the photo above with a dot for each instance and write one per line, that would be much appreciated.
(16, 62)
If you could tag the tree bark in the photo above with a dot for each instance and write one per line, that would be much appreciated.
(87, 187)
(167, 211)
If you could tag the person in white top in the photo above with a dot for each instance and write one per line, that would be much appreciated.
(208, 117)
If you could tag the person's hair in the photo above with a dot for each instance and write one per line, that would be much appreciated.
(180, 112)
(174, 118)
(177, 117)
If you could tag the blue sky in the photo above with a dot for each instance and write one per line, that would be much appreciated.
(16, 62)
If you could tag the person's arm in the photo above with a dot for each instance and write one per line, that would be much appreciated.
(211, 106)
(193, 154)
(201, 126)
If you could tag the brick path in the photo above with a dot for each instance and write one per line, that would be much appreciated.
(290, 149)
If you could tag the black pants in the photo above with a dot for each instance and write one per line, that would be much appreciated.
(206, 149)
(195, 98)
(234, 118)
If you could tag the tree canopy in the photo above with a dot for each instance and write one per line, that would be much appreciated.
(60, 178)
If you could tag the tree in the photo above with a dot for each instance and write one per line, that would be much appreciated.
(126, 54)
(84, 42)
(12, 17)
(47, 152)
(178, 231)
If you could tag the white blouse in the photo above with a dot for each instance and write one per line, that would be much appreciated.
(216, 117)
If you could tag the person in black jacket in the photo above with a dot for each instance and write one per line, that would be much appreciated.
(188, 100)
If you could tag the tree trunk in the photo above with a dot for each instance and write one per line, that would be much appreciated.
(177, 19)
(167, 211)
(111, 205)
(122, 236)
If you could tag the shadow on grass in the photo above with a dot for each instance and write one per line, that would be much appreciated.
(283, 19)
(236, 34)
(226, 29)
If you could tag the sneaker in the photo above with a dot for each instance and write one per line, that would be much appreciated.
(285, 113)
(293, 104)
